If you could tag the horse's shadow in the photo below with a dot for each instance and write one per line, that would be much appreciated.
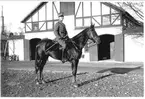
(112, 70)
(51, 81)
(93, 80)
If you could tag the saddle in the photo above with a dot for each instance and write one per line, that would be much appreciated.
(63, 51)
(59, 46)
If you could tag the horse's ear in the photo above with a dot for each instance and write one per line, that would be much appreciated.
(92, 25)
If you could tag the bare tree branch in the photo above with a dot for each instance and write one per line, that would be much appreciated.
(136, 7)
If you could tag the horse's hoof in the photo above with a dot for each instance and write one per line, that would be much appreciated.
(43, 82)
(37, 83)
(75, 85)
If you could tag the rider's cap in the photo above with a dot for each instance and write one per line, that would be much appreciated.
(60, 14)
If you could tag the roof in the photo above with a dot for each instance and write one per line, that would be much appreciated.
(125, 13)
(33, 11)
(3, 37)
(14, 37)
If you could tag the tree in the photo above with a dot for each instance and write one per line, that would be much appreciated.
(136, 10)
(136, 7)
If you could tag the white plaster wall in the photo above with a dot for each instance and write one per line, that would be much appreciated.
(134, 49)
(109, 30)
(40, 35)
(19, 48)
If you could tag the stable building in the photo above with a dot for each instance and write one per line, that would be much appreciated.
(112, 24)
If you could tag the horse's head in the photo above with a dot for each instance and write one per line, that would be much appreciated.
(93, 35)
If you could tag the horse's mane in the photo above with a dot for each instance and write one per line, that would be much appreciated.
(80, 34)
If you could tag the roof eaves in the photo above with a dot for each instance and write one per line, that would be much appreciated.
(114, 7)
(33, 11)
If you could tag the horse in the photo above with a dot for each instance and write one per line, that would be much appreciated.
(50, 48)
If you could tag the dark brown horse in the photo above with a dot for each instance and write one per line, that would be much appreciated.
(47, 47)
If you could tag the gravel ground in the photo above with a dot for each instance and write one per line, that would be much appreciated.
(21, 83)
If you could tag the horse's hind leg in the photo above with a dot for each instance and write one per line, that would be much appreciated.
(37, 69)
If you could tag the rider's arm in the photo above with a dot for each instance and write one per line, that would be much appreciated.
(56, 30)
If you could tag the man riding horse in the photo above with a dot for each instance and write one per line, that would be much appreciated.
(61, 34)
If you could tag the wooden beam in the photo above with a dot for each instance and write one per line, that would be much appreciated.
(75, 20)
(121, 19)
(25, 26)
(76, 14)
(46, 15)
(45, 12)
(96, 21)
(110, 15)
(55, 7)
(82, 14)
(78, 9)
(31, 19)
(95, 16)
(40, 31)
(52, 16)
(101, 13)
(115, 19)
(106, 26)
(42, 25)
(91, 11)
(28, 27)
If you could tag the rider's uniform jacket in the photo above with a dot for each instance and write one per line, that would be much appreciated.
(60, 30)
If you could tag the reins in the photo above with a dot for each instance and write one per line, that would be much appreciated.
(51, 46)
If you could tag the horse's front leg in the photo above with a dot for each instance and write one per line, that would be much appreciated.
(42, 81)
(74, 71)
(37, 76)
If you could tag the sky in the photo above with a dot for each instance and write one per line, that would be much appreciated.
(15, 11)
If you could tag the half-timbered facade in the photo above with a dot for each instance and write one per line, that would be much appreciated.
(111, 22)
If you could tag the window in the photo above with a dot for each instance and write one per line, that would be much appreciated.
(35, 26)
(106, 20)
(115, 19)
(67, 8)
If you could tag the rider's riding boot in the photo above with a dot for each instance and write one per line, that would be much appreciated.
(63, 56)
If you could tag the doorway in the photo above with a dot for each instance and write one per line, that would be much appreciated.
(106, 47)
